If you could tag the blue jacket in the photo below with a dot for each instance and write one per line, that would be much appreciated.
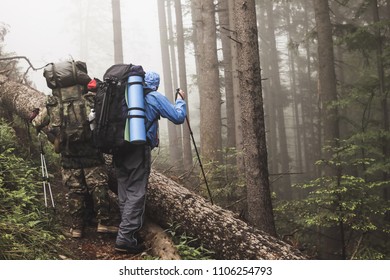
(156, 105)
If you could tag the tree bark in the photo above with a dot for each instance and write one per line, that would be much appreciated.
(170, 203)
(203, 12)
(175, 156)
(326, 75)
(19, 98)
(236, 89)
(269, 98)
(224, 30)
(187, 152)
(252, 117)
(174, 75)
(333, 236)
(160, 243)
(117, 26)
(217, 229)
(283, 187)
(382, 90)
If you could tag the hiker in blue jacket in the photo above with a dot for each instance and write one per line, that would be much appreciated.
(134, 164)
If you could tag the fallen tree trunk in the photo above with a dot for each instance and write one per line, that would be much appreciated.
(169, 203)
(19, 98)
(159, 242)
(218, 229)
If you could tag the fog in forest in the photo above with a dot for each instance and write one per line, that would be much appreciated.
(49, 31)
(292, 121)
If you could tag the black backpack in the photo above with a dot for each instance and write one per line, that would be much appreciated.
(111, 109)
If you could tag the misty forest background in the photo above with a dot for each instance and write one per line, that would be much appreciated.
(291, 121)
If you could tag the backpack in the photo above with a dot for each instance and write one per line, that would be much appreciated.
(67, 107)
(111, 109)
(66, 73)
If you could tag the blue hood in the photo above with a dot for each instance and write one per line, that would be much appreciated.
(152, 80)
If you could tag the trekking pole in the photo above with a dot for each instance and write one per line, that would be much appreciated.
(45, 177)
(196, 150)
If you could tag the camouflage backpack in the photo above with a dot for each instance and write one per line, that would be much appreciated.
(68, 108)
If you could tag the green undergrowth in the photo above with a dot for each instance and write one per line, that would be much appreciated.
(189, 248)
(28, 230)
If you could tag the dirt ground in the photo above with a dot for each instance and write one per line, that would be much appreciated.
(93, 245)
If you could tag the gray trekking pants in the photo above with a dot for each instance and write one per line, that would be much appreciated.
(132, 170)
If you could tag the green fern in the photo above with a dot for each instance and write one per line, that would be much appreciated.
(27, 231)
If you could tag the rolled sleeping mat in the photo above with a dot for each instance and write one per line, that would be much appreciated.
(66, 74)
(135, 131)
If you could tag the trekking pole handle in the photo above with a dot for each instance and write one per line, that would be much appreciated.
(178, 93)
(188, 122)
(41, 144)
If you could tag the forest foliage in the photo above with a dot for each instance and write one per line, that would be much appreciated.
(28, 231)
(351, 203)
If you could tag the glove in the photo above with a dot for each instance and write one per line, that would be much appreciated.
(180, 93)
(33, 114)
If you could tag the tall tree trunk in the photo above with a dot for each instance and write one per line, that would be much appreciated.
(236, 89)
(84, 13)
(166, 62)
(384, 96)
(210, 96)
(312, 150)
(172, 48)
(387, 189)
(296, 93)
(187, 152)
(255, 149)
(117, 24)
(326, 73)
(223, 15)
(328, 93)
(284, 185)
(269, 98)
(388, 9)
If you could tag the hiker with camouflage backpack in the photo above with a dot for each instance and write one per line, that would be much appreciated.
(82, 165)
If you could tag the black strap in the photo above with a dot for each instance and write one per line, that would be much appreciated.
(136, 116)
(74, 72)
(136, 108)
(146, 92)
(136, 83)
(150, 125)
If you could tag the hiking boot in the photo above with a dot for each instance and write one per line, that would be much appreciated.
(73, 233)
(106, 228)
(139, 239)
(126, 249)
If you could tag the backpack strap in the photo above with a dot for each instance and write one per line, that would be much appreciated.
(146, 92)
(74, 72)
(151, 123)
(59, 95)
